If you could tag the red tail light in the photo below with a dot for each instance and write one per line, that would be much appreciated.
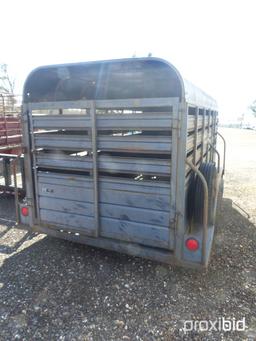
(24, 211)
(192, 244)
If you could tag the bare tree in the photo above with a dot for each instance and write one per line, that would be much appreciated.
(7, 97)
(7, 83)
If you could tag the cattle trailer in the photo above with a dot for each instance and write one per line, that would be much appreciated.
(121, 155)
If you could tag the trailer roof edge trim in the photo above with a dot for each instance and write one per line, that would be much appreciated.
(112, 79)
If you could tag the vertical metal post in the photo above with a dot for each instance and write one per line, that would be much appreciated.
(22, 171)
(34, 167)
(16, 193)
(207, 134)
(195, 136)
(203, 137)
(214, 131)
(30, 195)
(173, 156)
(7, 172)
(224, 152)
(180, 181)
(216, 123)
(212, 136)
(95, 167)
(5, 122)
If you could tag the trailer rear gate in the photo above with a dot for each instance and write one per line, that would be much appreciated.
(104, 169)
(122, 191)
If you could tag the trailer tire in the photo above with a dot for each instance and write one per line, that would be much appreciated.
(209, 172)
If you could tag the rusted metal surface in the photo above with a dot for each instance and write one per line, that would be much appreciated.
(10, 124)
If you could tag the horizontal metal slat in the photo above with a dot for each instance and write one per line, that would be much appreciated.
(105, 163)
(82, 181)
(111, 228)
(62, 192)
(139, 200)
(156, 121)
(109, 196)
(132, 143)
(135, 214)
(135, 143)
(135, 232)
(75, 221)
(133, 164)
(191, 123)
(105, 104)
(106, 210)
(67, 180)
(62, 122)
(61, 141)
(65, 205)
(62, 161)
(10, 132)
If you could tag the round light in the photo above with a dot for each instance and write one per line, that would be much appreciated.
(24, 211)
(192, 244)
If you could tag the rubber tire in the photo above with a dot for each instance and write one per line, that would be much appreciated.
(209, 172)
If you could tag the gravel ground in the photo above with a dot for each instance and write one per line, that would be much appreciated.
(52, 289)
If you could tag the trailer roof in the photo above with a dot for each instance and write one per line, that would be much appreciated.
(112, 79)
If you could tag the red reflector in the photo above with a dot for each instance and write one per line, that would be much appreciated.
(24, 211)
(192, 244)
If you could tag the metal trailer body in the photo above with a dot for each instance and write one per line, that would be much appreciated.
(10, 125)
(10, 140)
(110, 149)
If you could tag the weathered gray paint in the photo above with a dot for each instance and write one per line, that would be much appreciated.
(95, 169)
(157, 121)
(113, 196)
(122, 213)
(180, 224)
(195, 136)
(114, 143)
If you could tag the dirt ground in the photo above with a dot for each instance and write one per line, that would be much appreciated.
(56, 290)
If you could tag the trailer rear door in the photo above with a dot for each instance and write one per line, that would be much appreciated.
(103, 168)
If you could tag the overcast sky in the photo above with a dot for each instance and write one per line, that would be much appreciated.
(211, 42)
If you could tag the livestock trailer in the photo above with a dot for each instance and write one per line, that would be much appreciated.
(10, 125)
(10, 140)
(120, 154)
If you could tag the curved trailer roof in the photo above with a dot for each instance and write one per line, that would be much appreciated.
(112, 79)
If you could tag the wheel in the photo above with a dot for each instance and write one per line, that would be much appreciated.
(209, 172)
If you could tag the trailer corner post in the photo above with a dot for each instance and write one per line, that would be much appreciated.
(28, 170)
(181, 156)
(203, 136)
(196, 136)
(205, 212)
(16, 194)
(175, 129)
